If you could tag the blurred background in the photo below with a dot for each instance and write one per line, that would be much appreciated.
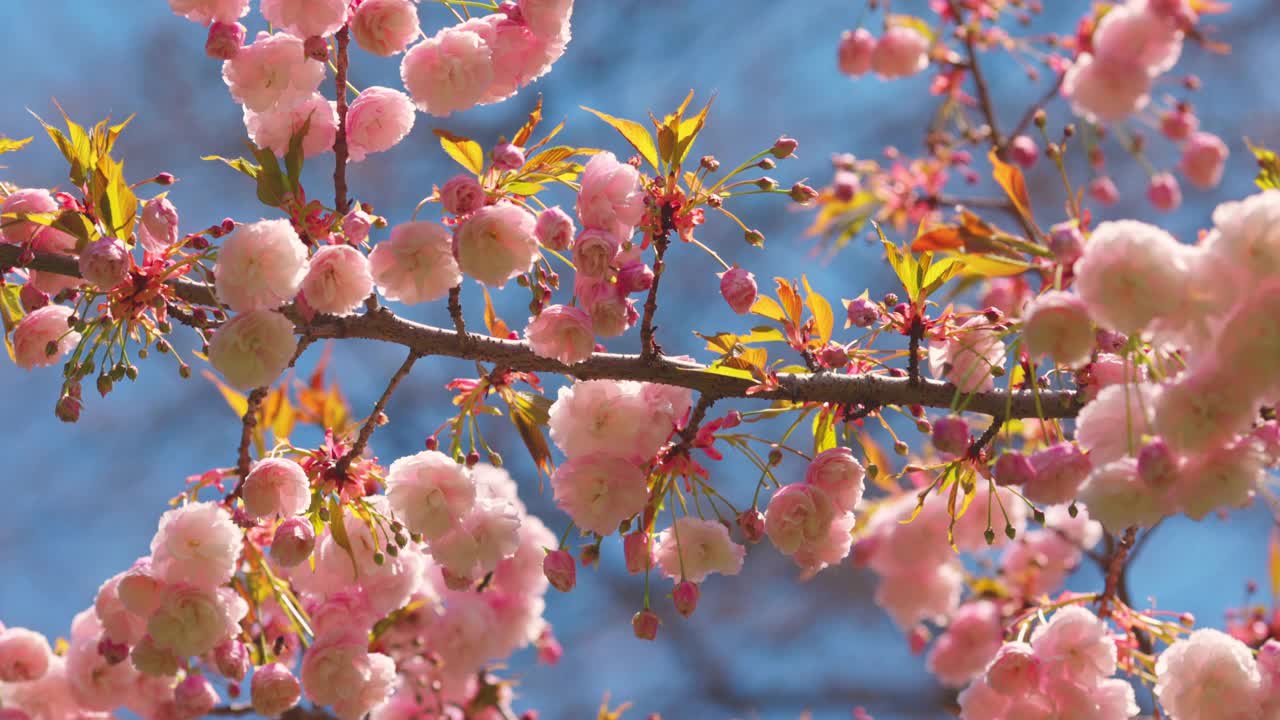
(83, 499)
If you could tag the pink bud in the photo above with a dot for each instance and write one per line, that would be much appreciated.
(31, 298)
(900, 52)
(1066, 242)
(834, 356)
(862, 312)
(293, 542)
(917, 639)
(784, 147)
(739, 289)
(951, 435)
(637, 548)
(356, 225)
(854, 54)
(274, 690)
(1014, 468)
(194, 697)
(462, 194)
(1024, 151)
(1015, 670)
(555, 229)
(560, 570)
(225, 40)
(316, 48)
(752, 524)
(1103, 189)
(1164, 193)
(1203, 158)
(549, 648)
(105, 263)
(1156, 464)
(508, 157)
(645, 624)
(635, 277)
(685, 597)
(845, 185)
(732, 420)
(1109, 341)
(231, 660)
(166, 179)
(1178, 124)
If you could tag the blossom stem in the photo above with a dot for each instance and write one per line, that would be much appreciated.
(340, 201)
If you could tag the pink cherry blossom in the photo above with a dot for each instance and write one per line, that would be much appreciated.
(1205, 674)
(968, 357)
(612, 313)
(273, 71)
(306, 18)
(971, 640)
(1060, 469)
(1015, 670)
(385, 27)
(416, 264)
(798, 514)
(194, 620)
(429, 492)
(24, 655)
(1130, 274)
(610, 198)
(599, 492)
(594, 252)
(448, 72)
(839, 474)
(196, 544)
(206, 11)
(547, 18)
(253, 348)
(1112, 425)
(276, 486)
(1203, 409)
(195, 696)
(1223, 478)
(922, 594)
(225, 40)
(1164, 192)
(27, 201)
(338, 280)
(900, 52)
(1106, 91)
(693, 548)
(260, 266)
(1118, 498)
(555, 229)
(274, 690)
(378, 119)
(562, 332)
(273, 128)
(340, 672)
(496, 243)
(1057, 324)
(158, 227)
(606, 417)
(293, 542)
(1203, 158)
(854, 52)
(35, 332)
(1076, 644)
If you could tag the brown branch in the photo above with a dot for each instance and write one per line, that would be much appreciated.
(1030, 114)
(371, 422)
(455, 310)
(867, 389)
(1115, 572)
(248, 423)
(975, 450)
(979, 80)
(661, 239)
(340, 201)
(913, 347)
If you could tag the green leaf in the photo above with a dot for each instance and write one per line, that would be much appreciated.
(7, 145)
(271, 182)
(338, 527)
(634, 133)
(293, 158)
(239, 164)
(465, 151)
(718, 368)
(11, 313)
(689, 129)
(1268, 166)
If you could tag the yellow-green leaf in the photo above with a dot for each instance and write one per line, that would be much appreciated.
(8, 145)
(823, 319)
(465, 151)
(238, 402)
(634, 133)
(766, 306)
(526, 130)
(338, 527)
(993, 266)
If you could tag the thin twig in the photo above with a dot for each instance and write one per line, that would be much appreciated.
(1115, 572)
(366, 430)
(913, 347)
(340, 201)
(975, 450)
(455, 310)
(248, 423)
(1030, 115)
(649, 349)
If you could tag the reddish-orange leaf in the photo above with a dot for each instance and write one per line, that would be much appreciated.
(1015, 185)
(526, 131)
(945, 237)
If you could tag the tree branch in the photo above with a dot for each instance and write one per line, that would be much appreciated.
(341, 203)
(866, 389)
(366, 431)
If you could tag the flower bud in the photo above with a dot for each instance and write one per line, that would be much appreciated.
(645, 624)
(845, 185)
(834, 356)
(1024, 151)
(685, 597)
(635, 277)
(231, 660)
(462, 194)
(1164, 192)
(861, 312)
(69, 405)
(738, 287)
(555, 229)
(1156, 464)
(1178, 124)
(274, 690)
(802, 193)
(1203, 158)
(854, 54)
(754, 238)
(951, 435)
(784, 147)
(1066, 242)
(1103, 189)
(32, 298)
(225, 40)
(316, 48)
(293, 542)
(194, 697)
(752, 524)
(1014, 468)
(508, 157)
(1015, 670)
(637, 548)
(560, 569)
(105, 263)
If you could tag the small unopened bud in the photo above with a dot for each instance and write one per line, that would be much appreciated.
(685, 597)
(1103, 189)
(845, 185)
(645, 624)
(901, 448)
(1024, 151)
(637, 548)
(1014, 468)
(224, 41)
(31, 298)
(709, 163)
(508, 157)
(1156, 464)
(293, 542)
(951, 435)
(802, 193)
(316, 48)
(767, 164)
(635, 277)
(1066, 242)
(767, 183)
(754, 238)
(194, 697)
(231, 660)
(890, 299)
(784, 147)
(834, 356)
(738, 287)
(861, 312)
(1164, 192)
(732, 420)
(775, 457)
(560, 570)
(751, 522)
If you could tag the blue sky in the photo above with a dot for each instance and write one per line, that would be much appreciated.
(84, 499)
